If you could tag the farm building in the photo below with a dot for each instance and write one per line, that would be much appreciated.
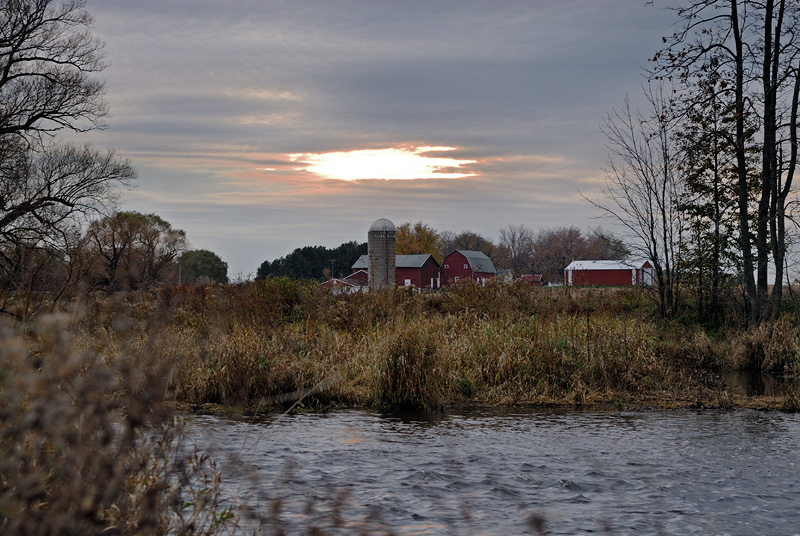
(608, 273)
(342, 286)
(463, 264)
(358, 278)
(420, 271)
(532, 280)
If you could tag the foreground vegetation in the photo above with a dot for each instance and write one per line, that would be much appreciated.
(93, 444)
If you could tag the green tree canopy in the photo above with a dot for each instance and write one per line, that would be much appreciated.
(314, 262)
(201, 266)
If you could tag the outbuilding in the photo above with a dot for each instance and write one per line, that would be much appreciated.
(464, 264)
(608, 273)
(534, 280)
(420, 271)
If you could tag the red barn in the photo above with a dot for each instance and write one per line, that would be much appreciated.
(608, 273)
(464, 264)
(421, 271)
(359, 278)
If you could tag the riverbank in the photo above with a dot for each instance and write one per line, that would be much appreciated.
(281, 343)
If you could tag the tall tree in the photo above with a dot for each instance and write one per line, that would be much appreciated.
(517, 244)
(48, 58)
(706, 138)
(135, 251)
(643, 187)
(48, 61)
(756, 44)
(417, 238)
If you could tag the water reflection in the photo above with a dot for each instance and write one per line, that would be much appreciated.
(753, 383)
(509, 472)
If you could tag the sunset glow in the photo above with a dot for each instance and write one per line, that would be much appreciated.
(399, 163)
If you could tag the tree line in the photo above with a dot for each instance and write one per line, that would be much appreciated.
(520, 250)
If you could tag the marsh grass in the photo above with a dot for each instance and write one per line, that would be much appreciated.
(270, 344)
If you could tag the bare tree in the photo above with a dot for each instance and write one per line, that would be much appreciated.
(48, 57)
(48, 61)
(517, 241)
(643, 188)
(134, 251)
(553, 249)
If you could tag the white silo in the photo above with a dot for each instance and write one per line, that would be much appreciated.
(382, 248)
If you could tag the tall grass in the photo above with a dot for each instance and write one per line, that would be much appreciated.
(282, 342)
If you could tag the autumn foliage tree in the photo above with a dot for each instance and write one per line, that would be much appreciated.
(418, 238)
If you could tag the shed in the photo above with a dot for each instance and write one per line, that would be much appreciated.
(464, 264)
(534, 280)
(609, 273)
(359, 277)
(341, 286)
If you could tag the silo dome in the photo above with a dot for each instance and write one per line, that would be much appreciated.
(382, 225)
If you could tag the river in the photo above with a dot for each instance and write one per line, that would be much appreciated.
(516, 472)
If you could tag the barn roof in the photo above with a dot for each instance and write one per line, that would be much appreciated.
(401, 261)
(608, 265)
(412, 261)
(478, 261)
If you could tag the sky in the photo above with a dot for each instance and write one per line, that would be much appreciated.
(260, 126)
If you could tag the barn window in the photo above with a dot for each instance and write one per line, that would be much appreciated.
(447, 266)
(465, 266)
(408, 282)
(456, 278)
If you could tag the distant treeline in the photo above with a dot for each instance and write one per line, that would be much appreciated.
(314, 262)
(520, 250)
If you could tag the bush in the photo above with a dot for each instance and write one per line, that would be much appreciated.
(89, 446)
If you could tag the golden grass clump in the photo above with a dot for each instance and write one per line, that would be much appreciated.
(409, 370)
(772, 347)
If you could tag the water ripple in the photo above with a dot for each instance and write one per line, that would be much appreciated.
(491, 472)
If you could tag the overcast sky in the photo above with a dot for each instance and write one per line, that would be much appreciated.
(229, 112)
